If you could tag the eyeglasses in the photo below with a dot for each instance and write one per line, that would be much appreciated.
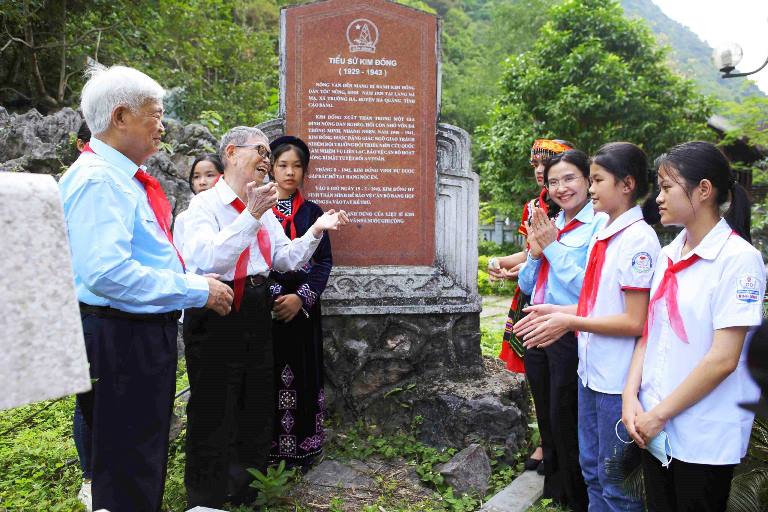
(566, 180)
(261, 149)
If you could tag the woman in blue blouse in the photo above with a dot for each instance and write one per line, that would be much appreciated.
(553, 274)
(296, 330)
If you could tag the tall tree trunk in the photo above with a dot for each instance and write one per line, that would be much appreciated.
(37, 78)
(63, 77)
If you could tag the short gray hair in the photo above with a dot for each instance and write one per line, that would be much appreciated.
(109, 88)
(237, 136)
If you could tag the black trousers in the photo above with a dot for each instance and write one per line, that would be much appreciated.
(129, 409)
(684, 486)
(552, 377)
(230, 409)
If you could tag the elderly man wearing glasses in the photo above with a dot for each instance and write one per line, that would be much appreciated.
(232, 232)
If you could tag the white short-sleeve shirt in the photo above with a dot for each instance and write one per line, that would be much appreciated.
(630, 258)
(724, 288)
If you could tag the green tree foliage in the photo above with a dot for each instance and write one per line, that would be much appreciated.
(214, 55)
(591, 77)
(750, 121)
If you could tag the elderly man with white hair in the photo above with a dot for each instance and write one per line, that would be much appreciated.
(232, 231)
(131, 283)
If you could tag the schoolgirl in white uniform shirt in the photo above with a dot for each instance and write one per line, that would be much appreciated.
(553, 274)
(689, 375)
(609, 316)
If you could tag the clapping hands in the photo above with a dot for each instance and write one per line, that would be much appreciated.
(541, 232)
(260, 198)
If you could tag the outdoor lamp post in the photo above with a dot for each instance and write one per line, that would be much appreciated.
(728, 56)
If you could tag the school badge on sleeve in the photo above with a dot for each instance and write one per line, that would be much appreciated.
(642, 263)
(748, 289)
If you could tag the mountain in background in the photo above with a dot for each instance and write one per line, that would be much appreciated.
(689, 55)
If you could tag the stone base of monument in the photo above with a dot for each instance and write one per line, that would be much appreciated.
(454, 409)
(403, 342)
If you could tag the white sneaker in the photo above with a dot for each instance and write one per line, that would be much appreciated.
(85, 495)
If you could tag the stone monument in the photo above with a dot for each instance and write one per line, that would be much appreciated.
(42, 354)
(360, 83)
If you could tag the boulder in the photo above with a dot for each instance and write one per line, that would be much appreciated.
(457, 409)
(469, 471)
(31, 142)
(334, 474)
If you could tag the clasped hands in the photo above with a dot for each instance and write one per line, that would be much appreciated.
(543, 325)
(541, 232)
(641, 426)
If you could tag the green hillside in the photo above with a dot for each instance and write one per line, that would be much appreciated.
(689, 55)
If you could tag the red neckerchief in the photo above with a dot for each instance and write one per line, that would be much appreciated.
(241, 267)
(296, 203)
(157, 200)
(588, 294)
(668, 290)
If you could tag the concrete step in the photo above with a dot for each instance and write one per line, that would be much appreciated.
(518, 496)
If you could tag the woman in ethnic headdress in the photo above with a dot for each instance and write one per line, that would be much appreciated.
(296, 329)
(509, 266)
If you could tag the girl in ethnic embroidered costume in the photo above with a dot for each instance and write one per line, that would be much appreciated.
(688, 375)
(609, 315)
(296, 329)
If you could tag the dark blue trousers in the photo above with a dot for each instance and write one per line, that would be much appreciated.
(232, 399)
(129, 409)
(552, 376)
(82, 436)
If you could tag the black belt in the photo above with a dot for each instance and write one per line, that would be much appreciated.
(250, 281)
(108, 312)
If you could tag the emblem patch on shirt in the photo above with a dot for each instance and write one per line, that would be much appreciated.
(642, 263)
(748, 289)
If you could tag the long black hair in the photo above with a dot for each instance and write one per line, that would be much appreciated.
(695, 161)
(624, 159)
(207, 157)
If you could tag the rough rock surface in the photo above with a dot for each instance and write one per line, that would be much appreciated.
(369, 355)
(331, 473)
(31, 142)
(334, 485)
(42, 354)
(458, 409)
(35, 143)
(469, 471)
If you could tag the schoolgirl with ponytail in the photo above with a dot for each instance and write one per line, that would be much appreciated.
(609, 316)
(688, 373)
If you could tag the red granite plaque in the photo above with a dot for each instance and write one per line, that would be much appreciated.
(361, 89)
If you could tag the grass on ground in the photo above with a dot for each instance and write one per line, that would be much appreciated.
(41, 471)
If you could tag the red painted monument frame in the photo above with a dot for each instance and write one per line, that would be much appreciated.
(361, 87)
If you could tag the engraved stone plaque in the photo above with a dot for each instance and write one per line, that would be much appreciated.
(360, 87)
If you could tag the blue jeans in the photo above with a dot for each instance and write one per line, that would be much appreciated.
(598, 414)
(82, 435)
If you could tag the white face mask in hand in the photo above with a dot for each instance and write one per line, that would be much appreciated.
(659, 446)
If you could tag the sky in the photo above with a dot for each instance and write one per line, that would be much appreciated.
(719, 21)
